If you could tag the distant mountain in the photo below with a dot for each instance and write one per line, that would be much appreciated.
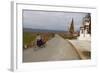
(41, 30)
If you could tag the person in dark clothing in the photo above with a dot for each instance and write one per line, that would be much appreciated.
(40, 42)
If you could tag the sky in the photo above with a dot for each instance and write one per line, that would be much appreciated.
(52, 20)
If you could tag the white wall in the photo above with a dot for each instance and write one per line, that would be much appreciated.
(5, 34)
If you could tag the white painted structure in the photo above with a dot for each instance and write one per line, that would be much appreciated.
(84, 35)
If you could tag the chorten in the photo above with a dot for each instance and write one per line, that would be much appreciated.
(85, 29)
(71, 29)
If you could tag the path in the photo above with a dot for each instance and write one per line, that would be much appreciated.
(57, 49)
(83, 48)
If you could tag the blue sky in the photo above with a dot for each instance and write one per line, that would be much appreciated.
(51, 20)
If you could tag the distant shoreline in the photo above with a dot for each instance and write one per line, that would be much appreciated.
(42, 30)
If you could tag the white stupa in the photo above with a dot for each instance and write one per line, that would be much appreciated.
(84, 30)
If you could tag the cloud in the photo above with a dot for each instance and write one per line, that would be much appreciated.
(51, 20)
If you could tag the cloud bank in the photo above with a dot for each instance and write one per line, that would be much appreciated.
(52, 20)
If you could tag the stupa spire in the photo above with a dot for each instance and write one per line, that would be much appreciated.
(71, 30)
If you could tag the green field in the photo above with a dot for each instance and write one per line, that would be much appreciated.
(28, 37)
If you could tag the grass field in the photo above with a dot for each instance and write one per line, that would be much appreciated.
(29, 37)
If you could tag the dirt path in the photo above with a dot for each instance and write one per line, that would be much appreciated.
(56, 49)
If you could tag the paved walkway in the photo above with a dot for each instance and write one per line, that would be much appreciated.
(56, 49)
(83, 48)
